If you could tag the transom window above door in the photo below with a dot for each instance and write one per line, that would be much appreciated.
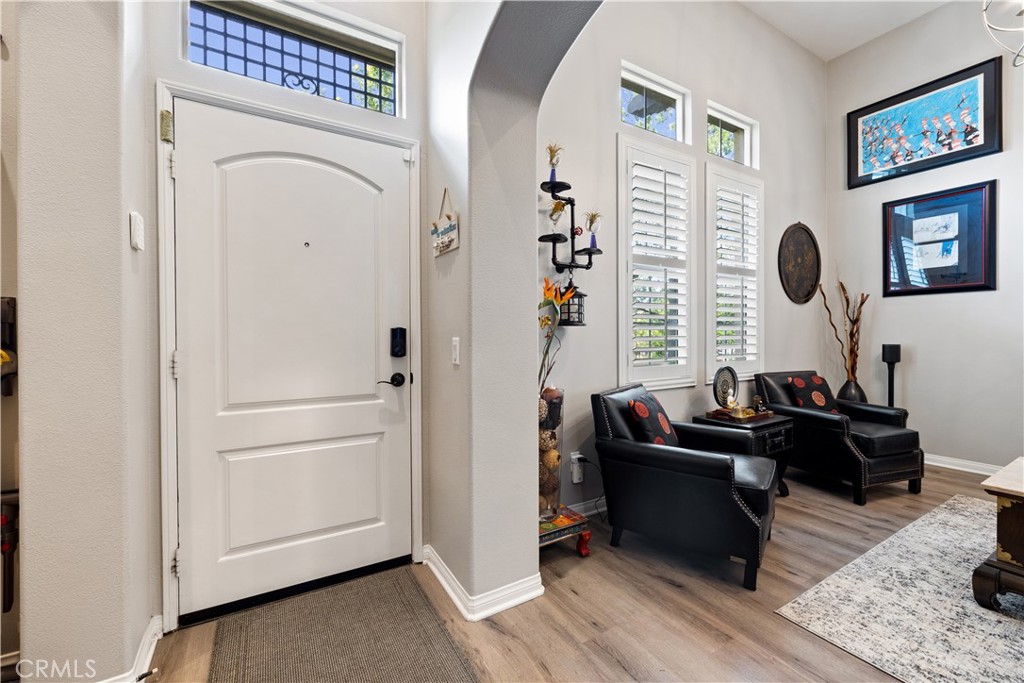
(247, 46)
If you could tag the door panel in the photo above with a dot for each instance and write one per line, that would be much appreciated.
(294, 464)
(276, 278)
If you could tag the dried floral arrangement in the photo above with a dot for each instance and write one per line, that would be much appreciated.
(853, 309)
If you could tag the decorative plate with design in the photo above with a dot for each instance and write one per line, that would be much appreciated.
(725, 381)
(799, 263)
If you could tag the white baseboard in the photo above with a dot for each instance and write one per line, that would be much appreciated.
(592, 507)
(962, 465)
(144, 655)
(10, 658)
(477, 607)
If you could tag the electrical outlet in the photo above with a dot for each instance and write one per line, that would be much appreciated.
(576, 467)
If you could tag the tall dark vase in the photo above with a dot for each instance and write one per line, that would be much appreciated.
(851, 391)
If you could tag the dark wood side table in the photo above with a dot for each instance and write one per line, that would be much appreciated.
(1003, 571)
(773, 438)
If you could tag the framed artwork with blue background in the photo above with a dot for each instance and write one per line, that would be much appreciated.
(951, 119)
(940, 242)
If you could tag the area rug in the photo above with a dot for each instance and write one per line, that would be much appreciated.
(906, 605)
(376, 628)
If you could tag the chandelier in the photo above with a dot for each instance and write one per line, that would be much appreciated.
(1004, 21)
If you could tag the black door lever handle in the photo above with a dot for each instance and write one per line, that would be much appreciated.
(397, 380)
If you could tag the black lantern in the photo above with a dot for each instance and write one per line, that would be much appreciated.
(571, 313)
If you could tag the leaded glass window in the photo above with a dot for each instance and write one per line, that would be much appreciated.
(247, 47)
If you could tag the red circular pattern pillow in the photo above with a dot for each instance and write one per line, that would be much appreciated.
(812, 391)
(650, 421)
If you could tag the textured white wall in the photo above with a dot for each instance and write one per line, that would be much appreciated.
(76, 492)
(753, 69)
(962, 352)
(526, 44)
(455, 34)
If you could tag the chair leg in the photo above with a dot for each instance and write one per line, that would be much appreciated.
(914, 486)
(616, 535)
(750, 575)
(860, 496)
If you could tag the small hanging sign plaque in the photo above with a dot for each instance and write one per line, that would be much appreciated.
(445, 230)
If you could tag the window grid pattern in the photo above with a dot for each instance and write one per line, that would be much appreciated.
(737, 227)
(246, 47)
(659, 216)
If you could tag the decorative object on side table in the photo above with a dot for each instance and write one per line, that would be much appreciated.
(799, 263)
(850, 350)
(950, 119)
(549, 406)
(726, 382)
(566, 524)
(940, 242)
(1003, 571)
(891, 356)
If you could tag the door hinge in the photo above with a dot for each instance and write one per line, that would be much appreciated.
(176, 562)
(174, 364)
(167, 126)
(170, 164)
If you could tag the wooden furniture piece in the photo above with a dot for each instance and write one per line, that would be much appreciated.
(1003, 571)
(568, 524)
(772, 437)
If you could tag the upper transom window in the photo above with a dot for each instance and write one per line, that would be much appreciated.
(241, 45)
(657, 105)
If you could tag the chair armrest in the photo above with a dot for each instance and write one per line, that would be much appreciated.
(683, 460)
(817, 418)
(714, 438)
(870, 412)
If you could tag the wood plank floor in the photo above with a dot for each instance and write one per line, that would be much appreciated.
(645, 612)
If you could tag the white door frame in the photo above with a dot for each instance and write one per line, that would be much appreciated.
(165, 93)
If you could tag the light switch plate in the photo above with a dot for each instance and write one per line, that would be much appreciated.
(136, 231)
(455, 350)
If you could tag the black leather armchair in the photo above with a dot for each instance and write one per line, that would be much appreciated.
(865, 444)
(698, 496)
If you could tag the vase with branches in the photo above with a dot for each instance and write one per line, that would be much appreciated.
(849, 343)
(549, 406)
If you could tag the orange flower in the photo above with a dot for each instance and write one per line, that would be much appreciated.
(561, 299)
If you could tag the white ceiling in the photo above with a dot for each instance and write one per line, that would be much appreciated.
(829, 29)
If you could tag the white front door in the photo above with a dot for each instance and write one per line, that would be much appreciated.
(292, 265)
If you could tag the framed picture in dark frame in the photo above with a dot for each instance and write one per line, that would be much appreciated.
(950, 119)
(940, 242)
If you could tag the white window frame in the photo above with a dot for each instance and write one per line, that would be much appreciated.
(682, 96)
(659, 376)
(731, 174)
(751, 133)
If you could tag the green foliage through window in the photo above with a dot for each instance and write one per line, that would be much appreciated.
(648, 109)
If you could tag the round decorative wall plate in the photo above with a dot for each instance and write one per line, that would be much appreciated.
(799, 263)
(725, 381)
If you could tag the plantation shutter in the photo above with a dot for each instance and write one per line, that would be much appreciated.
(734, 270)
(658, 292)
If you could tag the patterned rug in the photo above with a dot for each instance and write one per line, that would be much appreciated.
(379, 627)
(906, 605)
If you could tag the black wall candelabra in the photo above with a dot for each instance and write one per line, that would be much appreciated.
(555, 188)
